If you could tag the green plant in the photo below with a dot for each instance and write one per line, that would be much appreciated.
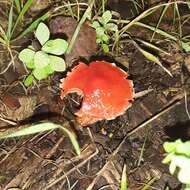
(40, 128)
(178, 155)
(43, 62)
(124, 182)
(104, 30)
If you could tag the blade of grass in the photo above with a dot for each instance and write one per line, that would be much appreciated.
(18, 7)
(174, 16)
(152, 28)
(32, 26)
(10, 22)
(2, 41)
(42, 127)
(21, 14)
(131, 23)
(72, 139)
(124, 178)
(179, 20)
(159, 31)
(85, 15)
(143, 147)
(152, 58)
(159, 21)
(148, 185)
(147, 44)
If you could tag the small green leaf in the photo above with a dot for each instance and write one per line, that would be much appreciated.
(28, 81)
(41, 59)
(106, 17)
(30, 65)
(57, 63)
(100, 31)
(40, 73)
(169, 146)
(98, 40)
(184, 176)
(31, 47)
(105, 38)
(183, 148)
(56, 47)
(95, 24)
(42, 33)
(181, 161)
(105, 48)
(111, 27)
(26, 55)
(172, 167)
(48, 69)
(168, 158)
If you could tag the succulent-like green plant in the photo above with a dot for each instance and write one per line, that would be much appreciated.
(45, 61)
(178, 155)
(104, 29)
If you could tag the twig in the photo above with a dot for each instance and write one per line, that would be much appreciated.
(172, 105)
(8, 121)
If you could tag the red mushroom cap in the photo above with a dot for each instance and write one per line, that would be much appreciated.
(106, 91)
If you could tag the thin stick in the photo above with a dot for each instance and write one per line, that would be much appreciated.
(8, 121)
(172, 105)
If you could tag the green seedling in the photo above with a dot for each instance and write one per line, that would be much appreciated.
(104, 30)
(45, 61)
(178, 156)
(124, 183)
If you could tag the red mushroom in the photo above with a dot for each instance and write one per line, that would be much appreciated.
(106, 91)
